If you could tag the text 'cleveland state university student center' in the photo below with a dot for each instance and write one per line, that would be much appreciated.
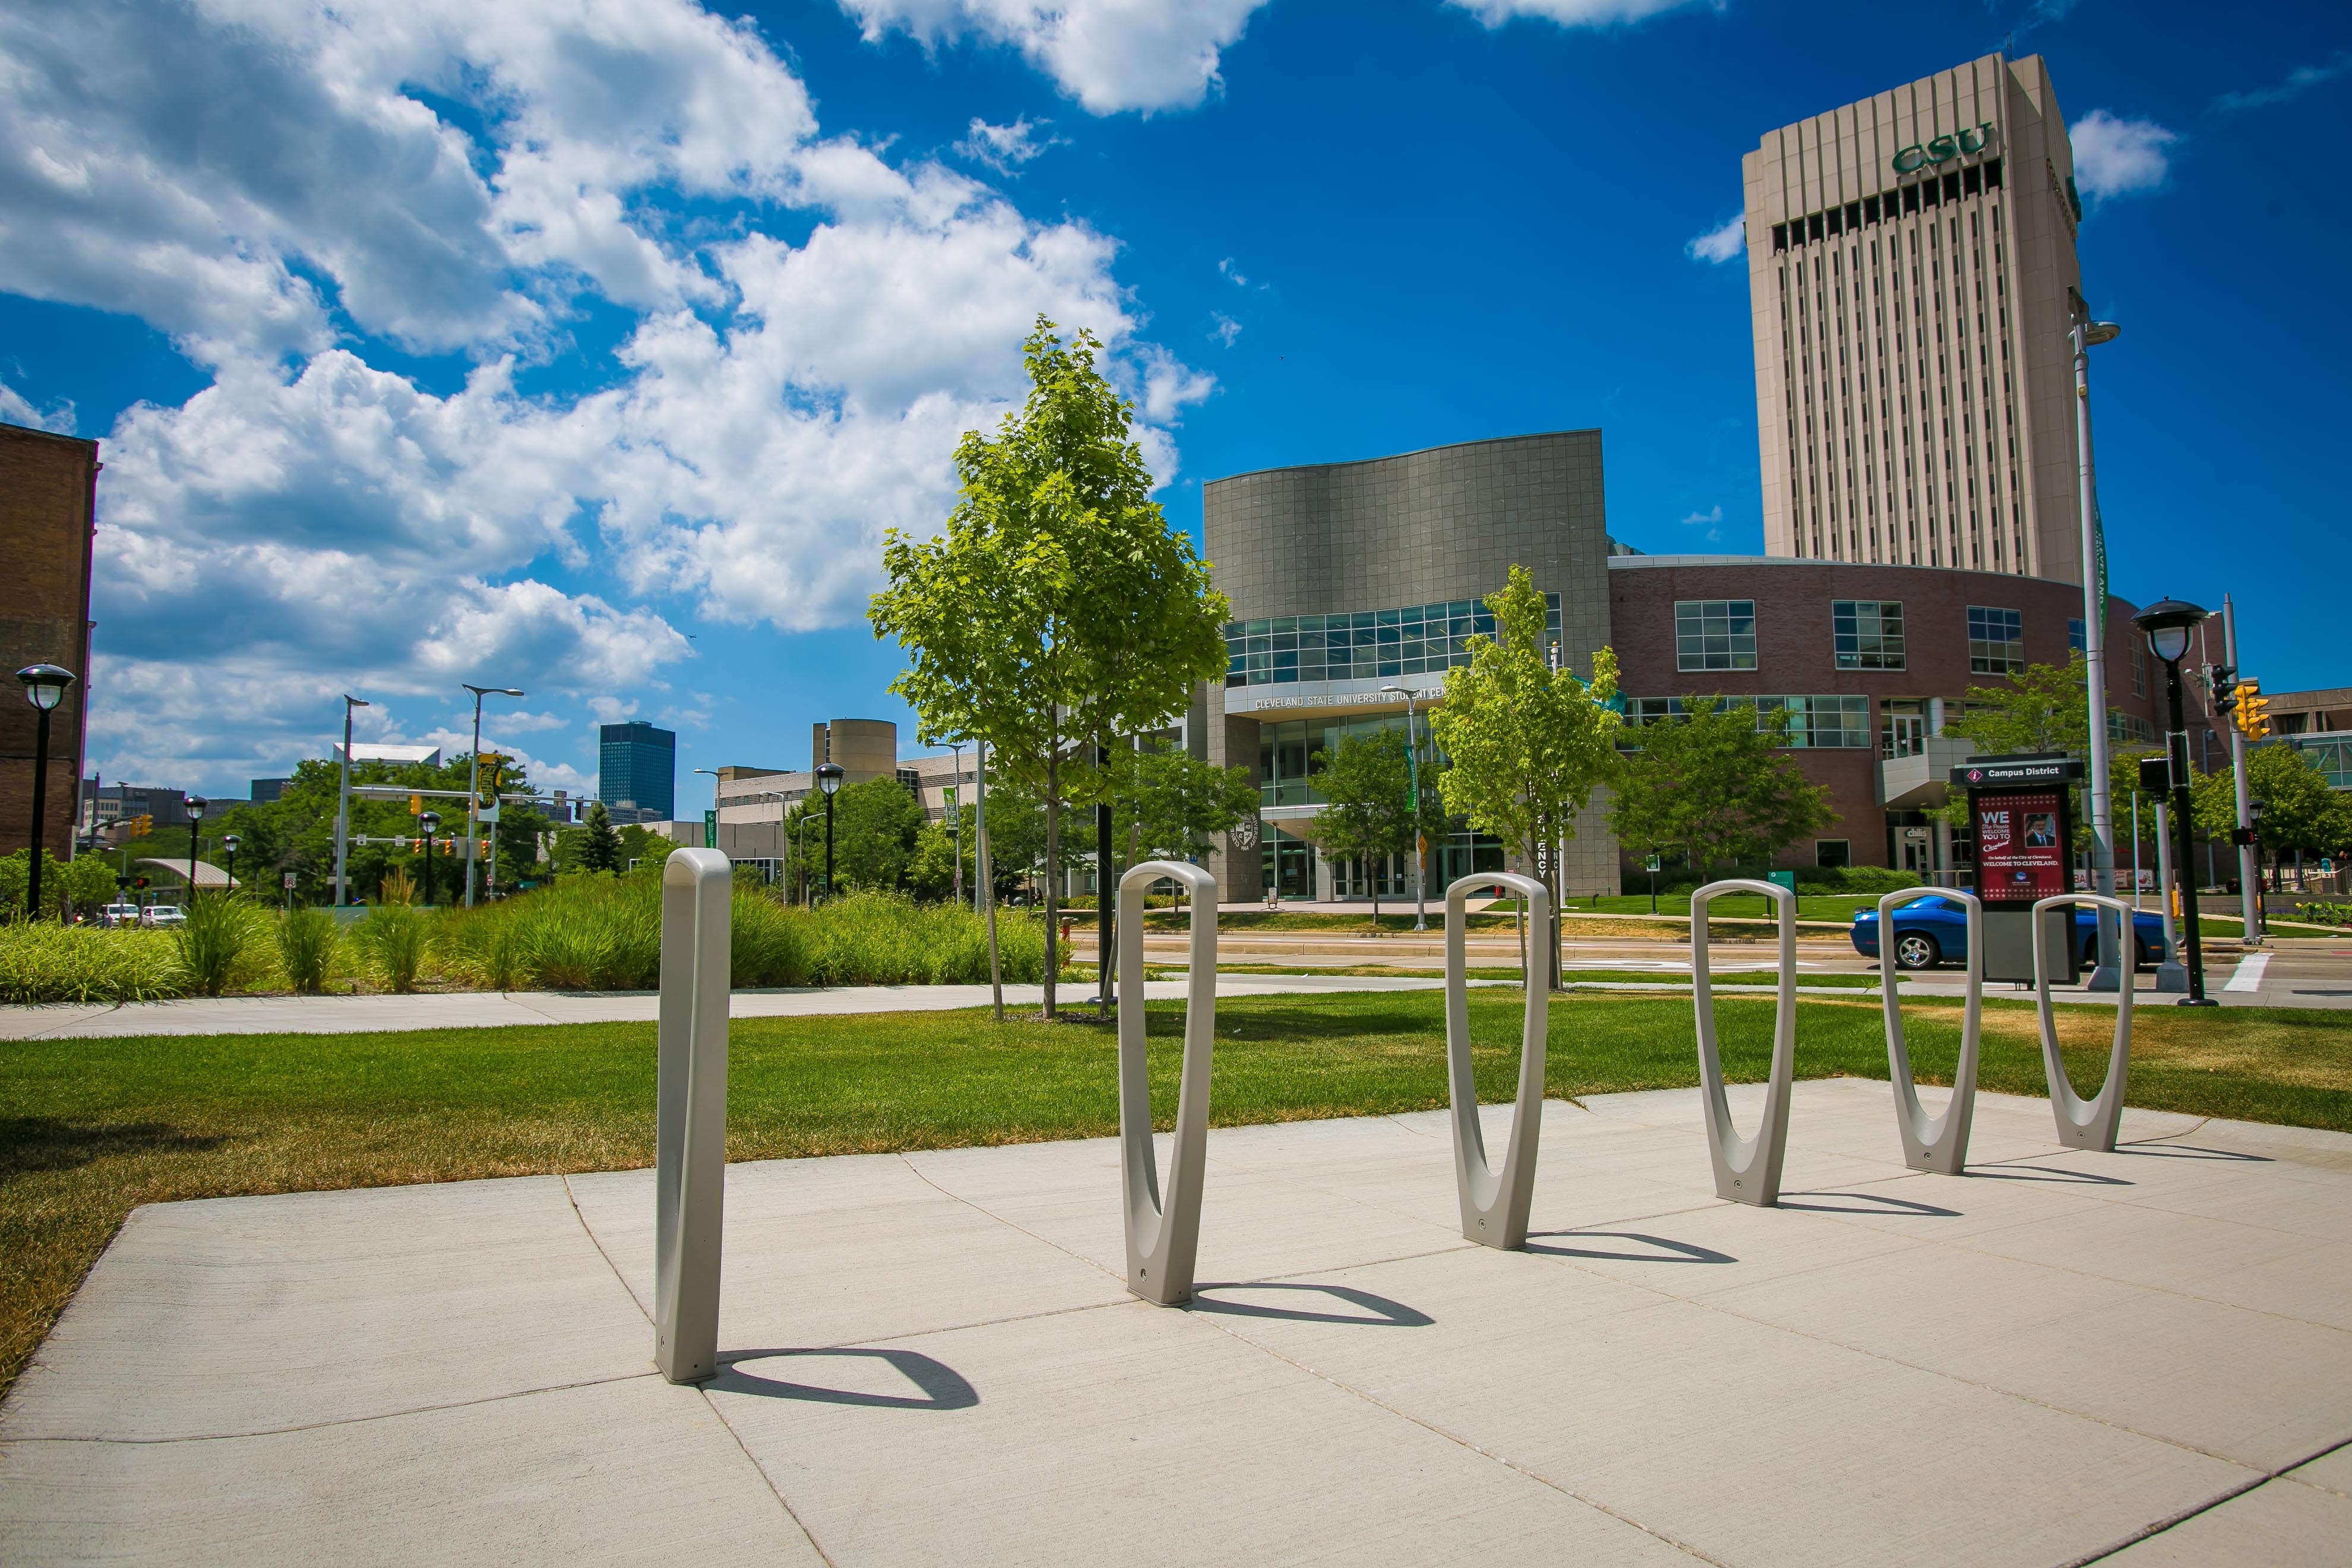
(1913, 284)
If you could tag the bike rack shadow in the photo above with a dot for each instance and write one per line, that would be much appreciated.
(1886, 1205)
(1495, 1205)
(2057, 1173)
(1163, 1240)
(1939, 1144)
(1747, 1170)
(2082, 1123)
(1669, 1251)
(1386, 1314)
(944, 1388)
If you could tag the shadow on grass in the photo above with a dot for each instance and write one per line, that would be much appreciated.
(943, 1387)
(34, 1143)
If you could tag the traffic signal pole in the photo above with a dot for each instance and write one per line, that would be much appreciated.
(2249, 871)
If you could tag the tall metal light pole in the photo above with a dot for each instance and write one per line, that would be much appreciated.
(474, 779)
(196, 805)
(828, 779)
(431, 822)
(343, 805)
(1420, 846)
(229, 842)
(45, 689)
(2109, 974)
(2168, 624)
(714, 806)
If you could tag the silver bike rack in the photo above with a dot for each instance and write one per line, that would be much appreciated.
(1163, 1240)
(1747, 1170)
(2085, 1124)
(1938, 1144)
(1495, 1206)
(690, 1112)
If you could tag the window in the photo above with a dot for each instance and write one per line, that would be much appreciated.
(1828, 852)
(2077, 637)
(1367, 644)
(2140, 667)
(1867, 633)
(1714, 633)
(1814, 722)
(1996, 641)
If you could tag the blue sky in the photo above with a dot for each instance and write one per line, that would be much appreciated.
(589, 347)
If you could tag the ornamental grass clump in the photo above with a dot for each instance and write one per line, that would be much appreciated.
(393, 937)
(42, 961)
(307, 943)
(215, 942)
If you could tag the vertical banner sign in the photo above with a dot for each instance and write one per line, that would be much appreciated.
(710, 829)
(2022, 848)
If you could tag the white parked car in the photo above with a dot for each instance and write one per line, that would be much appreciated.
(158, 915)
(119, 915)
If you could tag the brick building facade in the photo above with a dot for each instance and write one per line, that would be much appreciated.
(47, 492)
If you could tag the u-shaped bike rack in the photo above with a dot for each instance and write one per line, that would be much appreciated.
(1747, 1170)
(1939, 1143)
(1495, 1205)
(2082, 1123)
(691, 1111)
(1163, 1240)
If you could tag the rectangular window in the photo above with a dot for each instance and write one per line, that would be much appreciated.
(1714, 633)
(1831, 852)
(1992, 183)
(2077, 638)
(1419, 639)
(1867, 634)
(1910, 198)
(1813, 226)
(1779, 236)
(1996, 641)
(2140, 668)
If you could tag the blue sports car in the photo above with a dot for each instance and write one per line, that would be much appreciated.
(1934, 931)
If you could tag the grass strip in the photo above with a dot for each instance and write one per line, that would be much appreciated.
(97, 1127)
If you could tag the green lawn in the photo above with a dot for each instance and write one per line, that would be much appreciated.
(94, 1128)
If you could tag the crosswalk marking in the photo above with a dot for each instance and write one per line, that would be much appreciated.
(2249, 975)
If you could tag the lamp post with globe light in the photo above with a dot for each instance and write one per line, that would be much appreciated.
(196, 805)
(2168, 624)
(45, 689)
(828, 779)
(431, 822)
(229, 842)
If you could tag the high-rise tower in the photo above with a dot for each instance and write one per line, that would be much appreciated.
(1911, 266)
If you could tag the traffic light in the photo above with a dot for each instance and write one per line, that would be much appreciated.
(2156, 774)
(415, 806)
(484, 852)
(2221, 680)
(2252, 718)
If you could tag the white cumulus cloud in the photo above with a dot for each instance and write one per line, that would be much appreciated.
(2114, 157)
(1109, 55)
(1004, 148)
(1725, 241)
(279, 184)
(1574, 13)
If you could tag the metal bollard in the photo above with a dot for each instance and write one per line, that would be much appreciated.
(1163, 1240)
(2085, 1124)
(1939, 1144)
(1747, 1170)
(690, 1114)
(1495, 1206)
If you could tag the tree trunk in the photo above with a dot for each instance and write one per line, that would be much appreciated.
(1052, 855)
(1106, 894)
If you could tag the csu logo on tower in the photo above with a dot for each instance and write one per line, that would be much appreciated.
(1943, 149)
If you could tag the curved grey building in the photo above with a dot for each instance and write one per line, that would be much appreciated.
(1346, 577)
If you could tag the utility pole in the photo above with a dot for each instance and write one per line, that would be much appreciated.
(343, 806)
(2108, 975)
(2249, 871)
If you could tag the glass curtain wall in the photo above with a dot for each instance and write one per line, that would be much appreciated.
(1287, 777)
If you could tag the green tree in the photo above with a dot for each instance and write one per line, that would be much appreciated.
(1367, 785)
(2300, 810)
(1526, 745)
(600, 848)
(1058, 610)
(1713, 785)
(87, 881)
(2047, 709)
(875, 827)
(1178, 805)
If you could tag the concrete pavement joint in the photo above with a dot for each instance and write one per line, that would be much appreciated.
(2162, 1525)
(762, 1471)
(513, 1393)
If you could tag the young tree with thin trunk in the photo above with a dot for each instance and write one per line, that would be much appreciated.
(1058, 611)
(1713, 783)
(1367, 782)
(1526, 745)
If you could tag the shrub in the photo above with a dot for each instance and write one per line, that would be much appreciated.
(43, 961)
(394, 937)
(213, 944)
(307, 940)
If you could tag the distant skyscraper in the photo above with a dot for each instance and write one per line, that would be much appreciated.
(1912, 272)
(637, 767)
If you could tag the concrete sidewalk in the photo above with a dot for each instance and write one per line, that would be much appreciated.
(931, 1358)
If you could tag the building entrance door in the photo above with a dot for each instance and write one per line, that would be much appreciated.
(1903, 734)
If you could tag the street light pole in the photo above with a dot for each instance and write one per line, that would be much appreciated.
(343, 806)
(1420, 845)
(2167, 623)
(474, 779)
(230, 841)
(45, 688)
(714, 806)
(828, 779)
(196, 805)
(431, 822)
(2109, 974)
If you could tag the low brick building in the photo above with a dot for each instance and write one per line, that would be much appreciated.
(47, 493)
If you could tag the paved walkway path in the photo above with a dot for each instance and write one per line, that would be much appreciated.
(2143, 1358)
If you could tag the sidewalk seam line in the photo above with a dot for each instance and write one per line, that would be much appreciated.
(2159, 1526)
(769, 1481)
